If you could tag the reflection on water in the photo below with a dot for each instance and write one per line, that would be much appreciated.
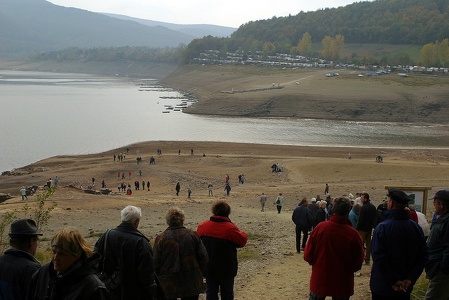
(47, 114)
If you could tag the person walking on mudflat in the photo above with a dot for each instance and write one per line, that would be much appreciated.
(279, 202)
(303, 219)
(177, 188)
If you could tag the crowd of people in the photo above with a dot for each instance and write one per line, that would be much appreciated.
(123, 264)
(354, 231)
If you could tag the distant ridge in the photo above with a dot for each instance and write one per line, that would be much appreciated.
(28, 26)
(195, 30)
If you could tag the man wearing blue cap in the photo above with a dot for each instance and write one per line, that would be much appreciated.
(18, 264)
(437, 269)
(399, 251)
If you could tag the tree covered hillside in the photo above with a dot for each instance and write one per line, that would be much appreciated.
(381, 21)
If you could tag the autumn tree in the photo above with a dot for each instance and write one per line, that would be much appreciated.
(268, 48)
(333, 48)
(327, 43)
(305, 44)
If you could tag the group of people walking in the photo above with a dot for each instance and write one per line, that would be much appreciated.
(123, 264)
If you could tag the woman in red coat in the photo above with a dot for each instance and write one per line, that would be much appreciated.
(335, 251)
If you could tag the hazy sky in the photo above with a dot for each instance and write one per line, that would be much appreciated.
(231, 13)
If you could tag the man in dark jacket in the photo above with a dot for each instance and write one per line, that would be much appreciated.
(399, 251)
(221, 239)
(303, 219)
(127, 250)
(367, 219)
(18, 264)
(437, 269)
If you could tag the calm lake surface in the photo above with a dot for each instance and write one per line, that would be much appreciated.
(48, 114)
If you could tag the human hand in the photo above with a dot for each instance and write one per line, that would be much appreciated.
(402, 285)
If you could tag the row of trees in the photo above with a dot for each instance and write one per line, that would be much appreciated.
(139, 54)
(436, 54)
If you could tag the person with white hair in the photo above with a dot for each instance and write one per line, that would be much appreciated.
(126, 251)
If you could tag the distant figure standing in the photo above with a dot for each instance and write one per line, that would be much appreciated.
(279, 202)
(191, 151)
(23, 191)
(263, 200)
(93, 181)
(103, 184)
(210, 188)
(227, 178)
(148, 185)
(179, 152)
(326, 189)
(189, 193)
(55, 181)
(177, 188)
(227, 189)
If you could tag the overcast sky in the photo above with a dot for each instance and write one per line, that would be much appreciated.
(232, 13)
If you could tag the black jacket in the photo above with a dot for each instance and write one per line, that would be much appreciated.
(16, 269)
(128, 250)
(367, 217)
(80, 282)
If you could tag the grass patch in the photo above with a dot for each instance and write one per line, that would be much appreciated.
(94, 234)
(420, 288)
(44, 256)
(247, 253)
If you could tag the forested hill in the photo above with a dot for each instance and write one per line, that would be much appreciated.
(380, 21)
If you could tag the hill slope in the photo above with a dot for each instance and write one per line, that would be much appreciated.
(36, 25)
(195, 30)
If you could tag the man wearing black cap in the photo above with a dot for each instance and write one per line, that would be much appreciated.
(399, 251)
(437, 269)
(18, 264)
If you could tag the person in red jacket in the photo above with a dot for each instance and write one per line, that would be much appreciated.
(221, 239)
(335, 251)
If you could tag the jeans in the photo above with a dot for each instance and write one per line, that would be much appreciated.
(366, 238)
(225, 286)
(305, 235)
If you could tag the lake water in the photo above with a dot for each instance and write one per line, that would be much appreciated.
(48, 114)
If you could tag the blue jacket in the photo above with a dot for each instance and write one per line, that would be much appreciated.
(399, 252)
(438, 243)
(302, 217)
